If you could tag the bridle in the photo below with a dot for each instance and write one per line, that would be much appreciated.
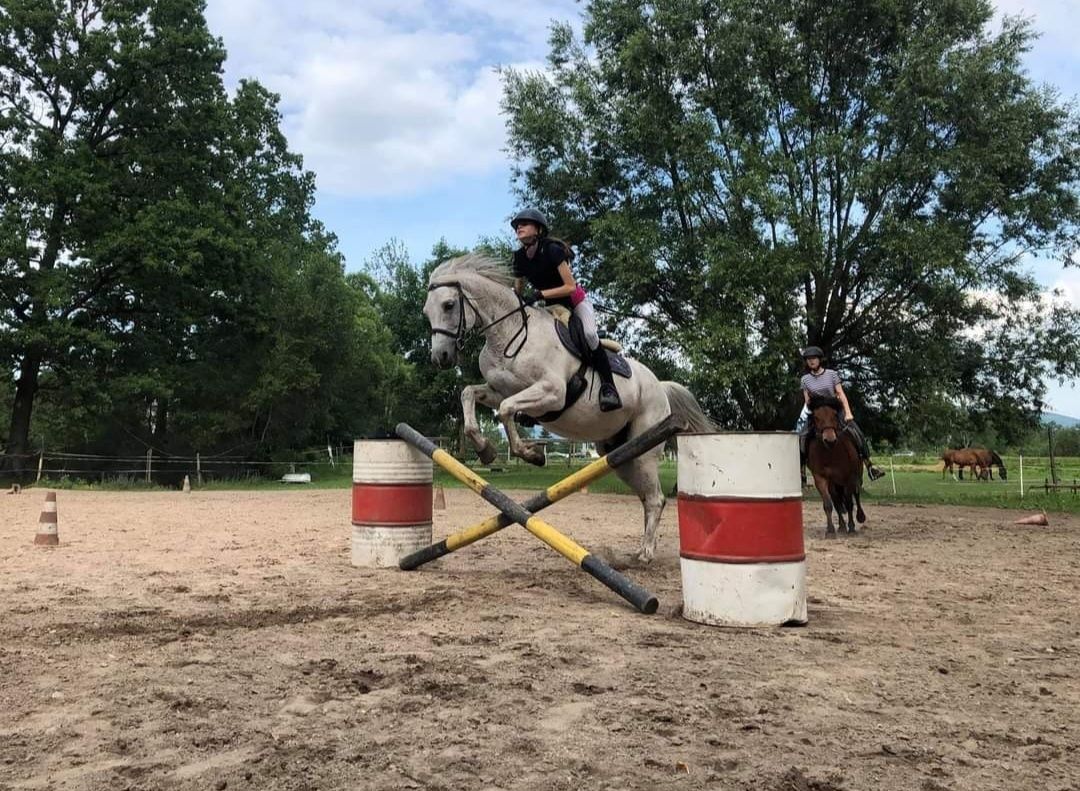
(461, 334)
(840, 430)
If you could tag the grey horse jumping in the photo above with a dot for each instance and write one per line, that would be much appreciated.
(526, 370)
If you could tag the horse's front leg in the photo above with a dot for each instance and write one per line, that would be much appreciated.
(470, 396)
(849, 506)
(826, 502)
(537, 399)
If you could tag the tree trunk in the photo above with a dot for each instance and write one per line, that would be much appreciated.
(26, 389)
(18, 449)
(161, 422)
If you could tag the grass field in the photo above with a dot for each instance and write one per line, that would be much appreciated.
(916, 480)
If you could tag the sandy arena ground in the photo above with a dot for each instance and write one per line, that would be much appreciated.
(222, 640)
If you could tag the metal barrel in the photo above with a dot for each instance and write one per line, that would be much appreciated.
(391, 502)
(741, 549)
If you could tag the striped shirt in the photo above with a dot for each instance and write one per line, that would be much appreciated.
(823, 384)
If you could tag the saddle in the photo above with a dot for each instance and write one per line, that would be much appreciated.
(572, 336)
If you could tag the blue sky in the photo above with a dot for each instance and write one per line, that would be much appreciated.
(394, 104)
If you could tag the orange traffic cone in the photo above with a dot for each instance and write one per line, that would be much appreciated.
(1034, 519)
(47, 535)
(440, 499)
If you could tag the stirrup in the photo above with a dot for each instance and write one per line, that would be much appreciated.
(609, 398)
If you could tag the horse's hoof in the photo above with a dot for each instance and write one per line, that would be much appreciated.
(487, 454)
(620, 561)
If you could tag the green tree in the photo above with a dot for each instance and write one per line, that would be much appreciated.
(183, 297)
(108, 114)
(864, 175)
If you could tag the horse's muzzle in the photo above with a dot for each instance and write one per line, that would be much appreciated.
(442, 358)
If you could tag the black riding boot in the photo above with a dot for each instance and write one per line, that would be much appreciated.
(864, 451)
(609, 396)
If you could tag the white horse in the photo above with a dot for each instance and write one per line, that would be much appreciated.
(526, 369)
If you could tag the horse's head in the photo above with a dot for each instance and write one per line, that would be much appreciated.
(459, 293)
(825, 412)
(448, 313)
(995, 459)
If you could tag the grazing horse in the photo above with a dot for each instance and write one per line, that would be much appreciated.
(988, 459)
(834, 461)
(527, 370)
(960, 458)
(980, 460)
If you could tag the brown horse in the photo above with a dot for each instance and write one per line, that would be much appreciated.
(833, 459)
(988, 460)
(978, 459)
(960, 458)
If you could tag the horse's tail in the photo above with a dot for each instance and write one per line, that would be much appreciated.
(686, 408)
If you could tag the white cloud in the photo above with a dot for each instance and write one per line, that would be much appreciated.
(1053, 20)
(1067, 286)
(389, 96)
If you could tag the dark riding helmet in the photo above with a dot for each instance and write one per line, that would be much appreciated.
(813, 351)
(533, 216)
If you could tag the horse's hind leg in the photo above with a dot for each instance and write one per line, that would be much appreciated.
(859, 513)
(643, 476)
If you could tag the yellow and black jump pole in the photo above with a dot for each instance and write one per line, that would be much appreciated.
(628, 451)
(578, 555)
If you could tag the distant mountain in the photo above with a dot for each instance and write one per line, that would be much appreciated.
(1062, 420)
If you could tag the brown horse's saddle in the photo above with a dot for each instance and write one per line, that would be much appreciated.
(568, 328)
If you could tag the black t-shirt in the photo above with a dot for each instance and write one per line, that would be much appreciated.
(542, 270)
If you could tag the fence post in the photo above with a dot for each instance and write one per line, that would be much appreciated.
(198, 468)
(40, 464)
(1021, 476)
(892, 471)
(149, 461)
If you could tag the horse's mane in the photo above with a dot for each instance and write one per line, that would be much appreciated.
(995, 459)
(818, 401)
(473, 264)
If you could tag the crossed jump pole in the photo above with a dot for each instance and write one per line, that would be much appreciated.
(524, 513)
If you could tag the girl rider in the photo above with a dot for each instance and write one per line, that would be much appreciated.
(822, 381)
(545, 264)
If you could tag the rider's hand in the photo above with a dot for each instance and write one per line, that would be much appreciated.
(849, 418)
(531, 296)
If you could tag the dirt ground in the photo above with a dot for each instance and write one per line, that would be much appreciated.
(223, 640)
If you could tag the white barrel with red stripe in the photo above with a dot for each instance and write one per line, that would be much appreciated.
(391, 501)
(740, 529)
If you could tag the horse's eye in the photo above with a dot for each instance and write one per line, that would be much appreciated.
(448, 305)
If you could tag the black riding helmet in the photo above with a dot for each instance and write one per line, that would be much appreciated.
(533, 216)
(813, 351)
